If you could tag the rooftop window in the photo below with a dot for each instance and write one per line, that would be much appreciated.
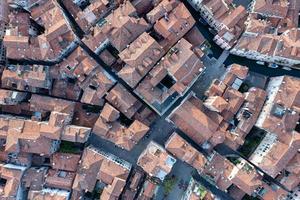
(278, 110)
(246, 114)
(62, 174)
(102, 22)
(157, 152)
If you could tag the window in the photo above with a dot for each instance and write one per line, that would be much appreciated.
(246, 114)
(278, 111)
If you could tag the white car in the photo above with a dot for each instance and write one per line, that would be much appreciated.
(260, 62)
(287, 68)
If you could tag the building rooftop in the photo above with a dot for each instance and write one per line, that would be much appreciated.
(271, 8)
(155, 161)
(59, 179)
(218, 169)
(97, 165)
(263, 33)
(276, 157)
(110, 126)
(26, 78)
(34, 178)
(65, 161)
(279, 146)
(212, 118)
(139, 57)
(171, 77)
(246, 178)
(272, 33)
(173, 25)
(10, 97)
(279, 114)
(47, 193)
(38, 136)
(88, 75)
(24, 40)
(4, 11)
(120, 27)
(195, 120)
(91, 14)
(125, 102)
(12, 174)
(182, 150)
(149, 190)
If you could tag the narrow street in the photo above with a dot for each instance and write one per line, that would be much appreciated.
(75, 27)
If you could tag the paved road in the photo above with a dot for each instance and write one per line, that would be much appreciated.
(214, 69)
